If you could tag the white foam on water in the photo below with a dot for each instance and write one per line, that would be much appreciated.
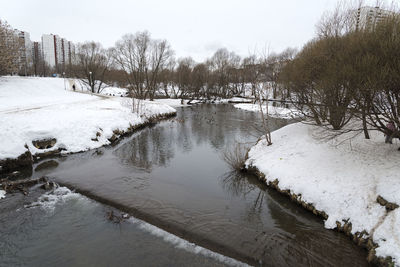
(2, 194)
(49, 200)
(184, 244)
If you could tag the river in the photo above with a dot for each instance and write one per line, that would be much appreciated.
(173, 176)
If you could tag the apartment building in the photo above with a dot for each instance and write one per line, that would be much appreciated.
(368, 17)
(50, 49)
(57, 52)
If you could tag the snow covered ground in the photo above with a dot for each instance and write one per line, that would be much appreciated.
(2, 194)
(240, 100)
(106, 89)
(114, 91)
(342, 177)
(277, 112)
(172, 102)
(40, 108)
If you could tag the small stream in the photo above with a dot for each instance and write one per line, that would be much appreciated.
(173, 176)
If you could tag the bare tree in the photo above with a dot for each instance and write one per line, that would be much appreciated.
(142, 59)
(10, 46)
(166, 78)
(220, 63)
(93, 62)
(200, 77)
(161, 53)
(184, 77)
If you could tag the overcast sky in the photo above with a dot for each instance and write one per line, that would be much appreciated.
(193, 28)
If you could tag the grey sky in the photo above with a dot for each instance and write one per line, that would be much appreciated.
(193, 28)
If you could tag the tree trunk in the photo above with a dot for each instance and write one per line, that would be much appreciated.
(364, 122)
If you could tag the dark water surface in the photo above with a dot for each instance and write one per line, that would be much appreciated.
(173, 176)
(71, 230)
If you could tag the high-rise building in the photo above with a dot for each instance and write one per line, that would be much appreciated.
(69, 51)
(25, 51)
(51, 49)
(57, 52)
(369, 17)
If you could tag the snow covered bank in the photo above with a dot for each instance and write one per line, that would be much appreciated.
(240, 100)
(341, 178)
(172, 102)
(2, 194)
(40, 108)
(277, 112)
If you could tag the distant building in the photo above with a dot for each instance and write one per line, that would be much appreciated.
(58, 52)
(51, 47)
(51, 54)
(25, 51)
(369, 17)
(68, 52)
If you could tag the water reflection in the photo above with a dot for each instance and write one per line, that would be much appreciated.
(173, 176)
(298, 241)
(147, 149)
(196, 126)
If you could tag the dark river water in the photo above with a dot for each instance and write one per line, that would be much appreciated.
(171, 176)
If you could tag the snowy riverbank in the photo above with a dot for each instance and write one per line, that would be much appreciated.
(40, 108)
(342, 178)
(276, 112)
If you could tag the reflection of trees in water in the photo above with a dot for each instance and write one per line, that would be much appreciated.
(309, 243)
(299, 237)
(284, 212)
(151, 146)
(216, 125)
(236, 184)
(241, 185)
(219, 125)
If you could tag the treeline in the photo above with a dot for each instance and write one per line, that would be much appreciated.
(10, 45)
(148, 67)
(350, 70)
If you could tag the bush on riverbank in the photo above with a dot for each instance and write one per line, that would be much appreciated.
(235, 156)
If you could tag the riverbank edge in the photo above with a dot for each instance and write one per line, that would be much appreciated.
(24, 162)
(366, 243)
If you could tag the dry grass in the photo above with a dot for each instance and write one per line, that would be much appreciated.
(236, 156)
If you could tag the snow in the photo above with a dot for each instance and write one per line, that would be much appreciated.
(342, 177)
(277, 112)
(239, 100)
(114, 91)
(172, 102)
(50, 200)
(40, 108)
(2, 194)
(389, 228)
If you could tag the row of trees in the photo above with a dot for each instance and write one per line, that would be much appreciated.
(147, 66)
(350, 70)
